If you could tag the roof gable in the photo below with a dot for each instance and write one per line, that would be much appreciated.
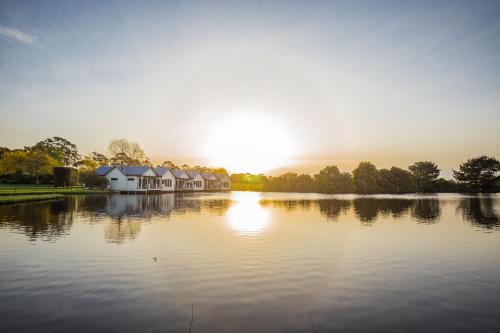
(180, 174)
(221, 176)
(103, 170)
(208, 176)
(161, 171)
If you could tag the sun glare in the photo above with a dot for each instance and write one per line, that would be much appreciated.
(246, 215)
(249, 143)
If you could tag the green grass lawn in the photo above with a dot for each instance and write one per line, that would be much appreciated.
(10, 199)
(22, 189)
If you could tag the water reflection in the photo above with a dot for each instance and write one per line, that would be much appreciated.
(247, 215)
(245, 212)
(332, 209)
(480, 212)
(426, 210)
(49, 220)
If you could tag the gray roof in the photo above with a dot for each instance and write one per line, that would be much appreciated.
(135, 170)
(221, 176)
(192, 173)
(103, 170)
(208, 176)
(161, 171)
(178, 173)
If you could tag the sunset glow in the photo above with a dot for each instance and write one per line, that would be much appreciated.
(249, 142)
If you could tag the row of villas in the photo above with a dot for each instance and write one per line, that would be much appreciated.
(147, 179)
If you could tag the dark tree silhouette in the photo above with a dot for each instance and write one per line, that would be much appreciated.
(365, 178)
(479, 173)
(426, 174)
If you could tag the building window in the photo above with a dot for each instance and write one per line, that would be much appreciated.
(114, 179)
(169, 182)
(130, 179)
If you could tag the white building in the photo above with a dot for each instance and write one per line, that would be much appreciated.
(182, 181)
(197, 181)
(223, 182)
(167, 183)
(130, 178)
(147, 179)
(210, 181)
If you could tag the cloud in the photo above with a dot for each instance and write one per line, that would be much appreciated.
(17, 35)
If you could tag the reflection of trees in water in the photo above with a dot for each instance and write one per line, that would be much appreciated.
(426, 210)
(480, 211)
(49, 220)
(368, 209)
(288, 205)
(332, 209)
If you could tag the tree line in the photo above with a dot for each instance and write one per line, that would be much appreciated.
(35, 164)
(479, 174)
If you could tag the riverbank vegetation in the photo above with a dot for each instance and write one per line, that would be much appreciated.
(35, 164)
(480, 174)
(11, 199)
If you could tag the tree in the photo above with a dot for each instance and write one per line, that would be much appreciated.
(365, 178)
(396, 180)
(479, 173)
(220, 170)
(12, 162)
(170, 165)
(59, 149)
(99, 159)
(34, 163)
(3, 150)
(425, 174)
(331, 180)
(38, 163)
(126, 153)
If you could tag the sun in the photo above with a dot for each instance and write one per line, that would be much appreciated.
(248, 142)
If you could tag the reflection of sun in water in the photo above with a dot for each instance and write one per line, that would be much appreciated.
(248, 142)
(246, 215)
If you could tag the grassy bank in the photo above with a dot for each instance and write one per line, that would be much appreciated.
(10, 199)
(15, 190)
(254, 187)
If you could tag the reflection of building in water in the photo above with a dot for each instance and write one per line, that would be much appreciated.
(140, 205)
(480, 211)
(121, 230)
(426, 210)
(129, 211)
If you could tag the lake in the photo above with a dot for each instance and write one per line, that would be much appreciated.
(251, 262)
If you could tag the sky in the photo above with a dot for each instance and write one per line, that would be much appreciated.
(256, 86)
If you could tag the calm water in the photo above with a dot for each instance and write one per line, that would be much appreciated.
(251, 262)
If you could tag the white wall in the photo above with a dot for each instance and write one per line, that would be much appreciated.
(198, 178)
(168, 176)
(120, 184)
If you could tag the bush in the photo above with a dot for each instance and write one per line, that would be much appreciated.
(91, 180)
(64, 176)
